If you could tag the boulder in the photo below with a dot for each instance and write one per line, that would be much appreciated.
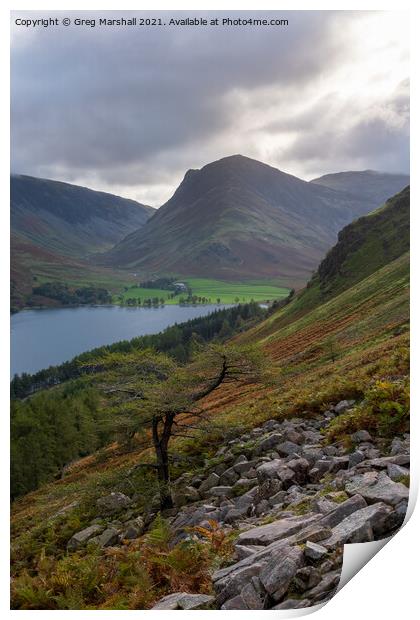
(339, 462)
(230, 585)
(291, 434)
(325, 589)
(254, 595)
(246, 500)
(270, 425)
(243, 485)
(244, 467)
(271, 532)
(358, 527)
(113, 503)
(186, 495)
(262, 508)
(330, 450)
(396, 472)
(81, 538)
(108, 538)
(222, 491)
(320, 468)
(183, 600)
(269, 470)
(194, 515)
(311, 436)
(278, 498)
(280, 569)
(383, 461)
(196, 601)
(342, 406)
(208, 483)
(236, 602)
(355, 458)
(242, 551)
(286, 476)
(235, 514)
(312, 454)
(133, 529)
(383, 489)
(268, 443)
(399, 446)
(323, 505)
(343, 510)
(361, 437)
(313, 533)
(288, 448)
(300, 468)
(229, 477)
(306, 578)
(314, 551)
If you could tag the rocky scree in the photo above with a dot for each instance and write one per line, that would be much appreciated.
(294, 501)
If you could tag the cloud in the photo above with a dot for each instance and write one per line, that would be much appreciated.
(130, 109)
(352, 135)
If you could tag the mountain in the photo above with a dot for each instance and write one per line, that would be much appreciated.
(56, 226)
(68, 219)
(366, 184)
(238, 218)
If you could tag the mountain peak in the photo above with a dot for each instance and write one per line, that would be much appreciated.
(240, 218)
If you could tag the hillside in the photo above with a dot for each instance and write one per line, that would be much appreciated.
(239, 218)
(289, 468)
(365, 184)
(56, 226)
(363, 247)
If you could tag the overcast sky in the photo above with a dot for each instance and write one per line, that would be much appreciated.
(129, 110)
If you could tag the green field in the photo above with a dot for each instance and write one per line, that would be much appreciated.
(229, 292)
(215, 291)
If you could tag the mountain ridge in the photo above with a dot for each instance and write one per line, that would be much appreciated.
(56, 226)
(240, 218)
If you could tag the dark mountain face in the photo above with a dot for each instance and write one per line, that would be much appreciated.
(367, 244)
(69, 219)
(56, 226)
(367, 184)
(239, 218)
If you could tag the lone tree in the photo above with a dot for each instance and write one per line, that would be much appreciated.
(164, 400)
(331, 348)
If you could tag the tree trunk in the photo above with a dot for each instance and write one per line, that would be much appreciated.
(161, 450)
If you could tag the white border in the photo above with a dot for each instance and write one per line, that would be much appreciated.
(387, 587)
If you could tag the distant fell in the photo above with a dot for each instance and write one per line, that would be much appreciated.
(365, 184)
(73, 220)
(238, 218)
(56, 226)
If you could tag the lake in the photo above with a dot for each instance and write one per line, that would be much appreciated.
(47, 337)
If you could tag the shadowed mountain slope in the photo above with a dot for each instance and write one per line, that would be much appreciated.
(56, 226)
(239, 218)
